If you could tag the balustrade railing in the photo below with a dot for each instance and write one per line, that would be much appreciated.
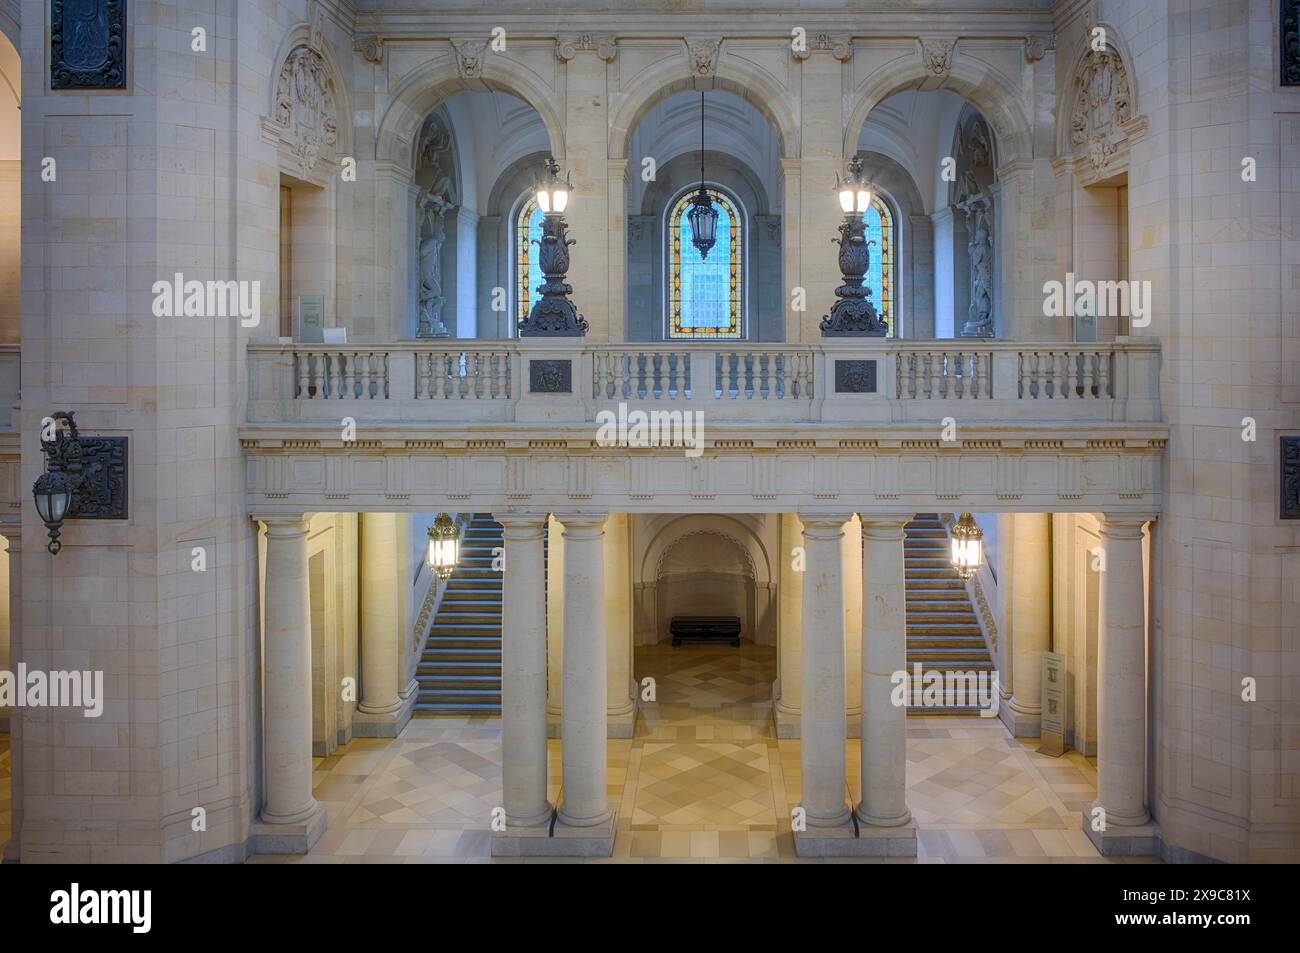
(873, 379)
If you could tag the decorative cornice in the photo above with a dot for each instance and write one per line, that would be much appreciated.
(569, 45)
(839, 45)
(469, 57)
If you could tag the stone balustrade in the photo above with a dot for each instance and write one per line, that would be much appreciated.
(871, 380)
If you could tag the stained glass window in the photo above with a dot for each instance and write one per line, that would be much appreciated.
(528, 273)
(880, 276)
(706, 296)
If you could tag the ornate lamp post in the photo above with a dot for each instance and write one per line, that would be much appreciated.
(967, 546)
(853, 315)
(553, 314)
(444, 546)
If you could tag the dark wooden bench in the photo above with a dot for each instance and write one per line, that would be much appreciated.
(705, 628)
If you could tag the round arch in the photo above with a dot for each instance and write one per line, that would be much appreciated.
(671, 532)
(974, 82)
(674, 76)
(10, 28)
(432, 84)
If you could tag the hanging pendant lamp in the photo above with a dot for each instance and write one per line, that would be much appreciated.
(703, 217)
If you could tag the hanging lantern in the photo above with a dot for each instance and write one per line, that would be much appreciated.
(444, 546)
(53, 494)
(967, 546)
(703, 217)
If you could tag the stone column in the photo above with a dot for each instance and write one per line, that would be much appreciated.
(1122, 666)
(851, 573)
(523, 672)
(12, 851)
(621, 706)
(822, 731)
(381, 713)
(554, 624)
(289, 811)
(1030, 626)
(583, 725)
(789, 631)
(884, 652)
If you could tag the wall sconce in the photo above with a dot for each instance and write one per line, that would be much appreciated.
(444, 546)
(84, 478)
(967, 546)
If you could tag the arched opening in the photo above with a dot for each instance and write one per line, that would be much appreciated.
(932, 156)
(674, 291)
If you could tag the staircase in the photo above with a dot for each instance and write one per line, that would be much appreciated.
(943, 633)
(460, 670)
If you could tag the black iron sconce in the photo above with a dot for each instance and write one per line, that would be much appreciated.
(84, 478)
(853, 315)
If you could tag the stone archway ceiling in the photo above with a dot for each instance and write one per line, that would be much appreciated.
(491, 131)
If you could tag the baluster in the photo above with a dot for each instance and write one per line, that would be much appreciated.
(600, 366)
(1089, 376)
(1103, 375)
(933, 375)
(300, 372)
(679, 375)
(503, 376)
(658, 375)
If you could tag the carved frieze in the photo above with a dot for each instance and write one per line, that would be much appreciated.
(1289, 461)
(1289, 35)
(936, 53)
(569, 45)
(1102, 104)
(839, 45)
(703, 55)
(305, 107)
(87, 44)
(469, 57)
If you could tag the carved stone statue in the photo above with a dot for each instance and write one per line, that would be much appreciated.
(432, 235)
(979, 319)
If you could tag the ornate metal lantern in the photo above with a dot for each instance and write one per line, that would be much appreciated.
(703, 217)
(553, 314)
(444, 546)
(84, 478)
(967, 546)
(854, 315)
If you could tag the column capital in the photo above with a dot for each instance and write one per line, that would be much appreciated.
(885, 525)
(283, 524)
(580, 525)
(522, 525)
(1124, 525)
(824, 525)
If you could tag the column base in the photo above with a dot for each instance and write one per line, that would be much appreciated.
(870, 842)
(387, 724)
(566, 841)
(297, 837)
(621, 724)
(1021, 724)
(1123, 840)
(12, 852)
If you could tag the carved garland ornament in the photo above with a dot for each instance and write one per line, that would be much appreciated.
(604, 45)
(1101, 107)
(305, 107)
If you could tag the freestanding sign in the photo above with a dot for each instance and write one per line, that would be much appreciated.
(1051, 739)
(311, 319)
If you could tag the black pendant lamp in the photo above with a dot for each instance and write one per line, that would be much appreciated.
(703, 217)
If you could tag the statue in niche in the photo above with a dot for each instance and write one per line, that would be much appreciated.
(432, 234)
(434, 202)
(979, 319)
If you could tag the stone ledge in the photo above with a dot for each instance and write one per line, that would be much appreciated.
(385, 725)
(567, 841)
(871, 841)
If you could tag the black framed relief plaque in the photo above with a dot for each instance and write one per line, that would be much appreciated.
(87, 44)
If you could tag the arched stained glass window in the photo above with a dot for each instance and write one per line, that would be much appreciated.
(706, 296)
(528, 273)
(880, 276)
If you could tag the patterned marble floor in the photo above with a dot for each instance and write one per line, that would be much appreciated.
(705, 780)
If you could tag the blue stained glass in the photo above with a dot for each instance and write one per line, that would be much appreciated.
(706, 295)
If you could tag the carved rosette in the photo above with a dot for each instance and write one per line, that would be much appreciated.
(305, 107)
(1102, 104)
